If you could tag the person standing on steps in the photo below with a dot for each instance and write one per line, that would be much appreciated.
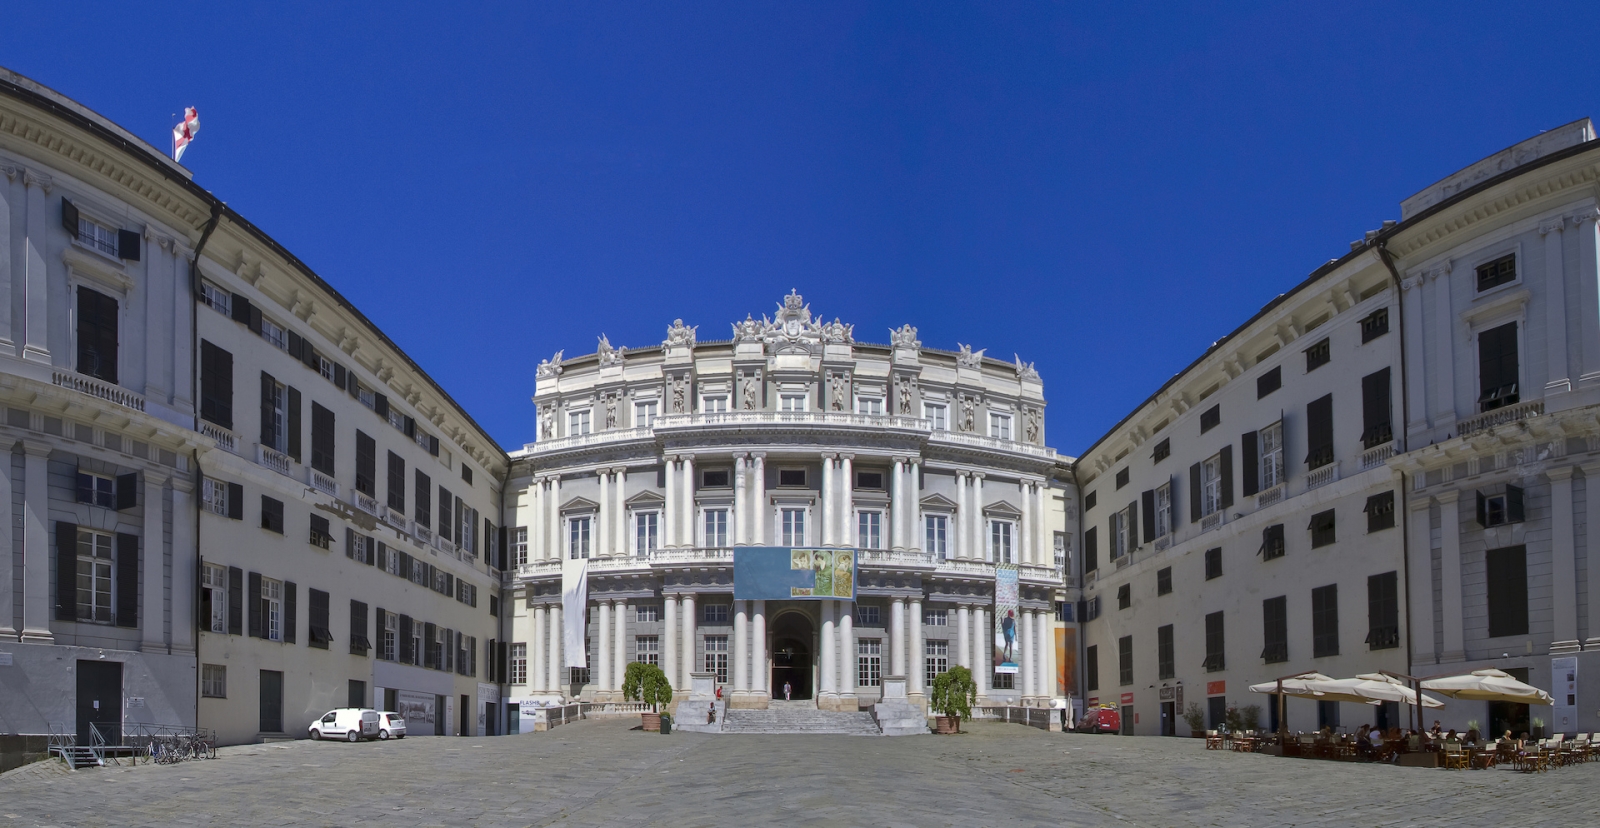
(787, 691)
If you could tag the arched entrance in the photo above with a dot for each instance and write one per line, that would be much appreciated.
(792, 634)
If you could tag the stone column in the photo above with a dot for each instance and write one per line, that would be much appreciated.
(847, 656)
(669, 638)
(619, 646)
(741, 649)
(897, 637)
(41, 217)
(669, 510)
(1450, 574)
(1022, 653)
(736, 532)
(536, 539)
(847, 487)
(621, 521)
(602, 670)
(602, 520)
(1046, 546)
(185, 570)
(827, 500)
(1563, 562)
(1555, 317)
(915, 673)
(958, 531)
(897, 499)
(1025, 523)
(828, 697)
(980, 550)
(688, 525)
(558, 666)
(690, 620)
(1045, 639)
(1591, 549)
(964, 637)
(8, 443)
(1583, 231)
(914, 506)
(37, 600)
(8, 343)
(758, 653)
(982, 644)
(152, 559)
(1419, 583)
(555, 518)
(760, 518)
(1440, 372)
(538, 670)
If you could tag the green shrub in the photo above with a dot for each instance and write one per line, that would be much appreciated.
(1195, 718)
(953, 694)
(646, 683)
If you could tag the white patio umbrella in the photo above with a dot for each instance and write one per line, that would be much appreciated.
(1298, 685)
(1487, 685)
(1376, 688)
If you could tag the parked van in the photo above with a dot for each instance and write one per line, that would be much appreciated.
(349, 723)
(1104, 718)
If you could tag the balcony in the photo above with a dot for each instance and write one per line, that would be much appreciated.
(792, 418)
(365, 503)
(425, 535)
(1322, 476)
(1164, 542)
(1211, 521)
(692, 554)
(324, 483)
(1375, 457)
(991, 443)
(1035, 572)
(896, 558)
(951, 566)
(396, 519)
(108, 391)
(275, 460)
(224, 439)
(616, 435)
(1498, 417)
(1270, 496)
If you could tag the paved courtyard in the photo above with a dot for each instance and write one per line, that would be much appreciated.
(602, 773)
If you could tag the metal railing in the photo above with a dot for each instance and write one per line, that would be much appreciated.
(98, 389)
(980, 441)
(591, 439)
(1499, 416)
(814, 418)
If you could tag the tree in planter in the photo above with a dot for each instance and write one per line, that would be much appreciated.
(1241, 719)
(646, 683)
(953, 693)
(1195, 718)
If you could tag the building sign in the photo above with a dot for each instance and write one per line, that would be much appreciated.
(1216, 688)
(1564, 690)
(1127, 698)
(776, 573)
(417, 709)
(1066, 660)
(1168, 693)
(1006, 595)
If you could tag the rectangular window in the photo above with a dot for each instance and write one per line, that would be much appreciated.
(1125, 660)
(366, 465)
(216, 385)
(1322, 529)
(1318, 355)
(1498, 272)
(646, 532)
(1124, 596)
(422, 510)
(519, 545)
(577, 422)
(1120, 527)
(794, 527)
(1000, 426)
(869, 480)
(936, 659)
(274, 414)
(1164, 580)
(868, 616)
(1325, 621)
(937, 416)
(1089, 500)
(214, 598)
(97, 335)
(1000, 536)
(1380, 511)
(321, 532)
(397, 482)
(869, 405)
(792, 478)
(272, 609)
(716, 528)
(937, 542)
(359, 645)
(1166, 666)
(1214, 563)
(1122, 478)
(322, 439)
(216, 298)
(1375, 425)
(717, 657)
(792, 402)
(578, 538)
(214, 681)
(1163, 510)
(869, 530)
(1374, 325)
(271, 514)
(1163, 450)
(97, 490)
(1275, 629)
(714, 613)
(1497, 367)
(96, 563)
(1383, 611)
(714, 405)
(214, 497)
(1210, 418)
(644, 413)
(317, 620)
(647, 649)
(647, 613)
(1211, 485)
(1270, 443)
(1091, 667)
(1319, 432)
(869, 662)
(1215, 660)
(519, 664)
(275, 335)
(391, 637)
(714, 478)
(1090, 550)
(1507, 571)
(1273, 542)
(1269, 381)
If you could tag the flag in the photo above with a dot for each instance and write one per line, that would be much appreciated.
(184, 132)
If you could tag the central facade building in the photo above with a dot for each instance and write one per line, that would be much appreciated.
(654, 465)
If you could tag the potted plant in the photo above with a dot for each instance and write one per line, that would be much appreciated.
(646, 683)
(1538, 727)
(1195, 718)
(952, 696)
(1245, 718)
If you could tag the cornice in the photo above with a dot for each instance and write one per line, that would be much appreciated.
(1539, 184)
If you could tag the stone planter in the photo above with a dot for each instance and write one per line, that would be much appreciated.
(946, 724)
(652, 722)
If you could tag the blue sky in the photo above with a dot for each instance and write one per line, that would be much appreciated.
(1104, 191)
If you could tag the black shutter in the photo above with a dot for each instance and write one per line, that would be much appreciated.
(352, 384)
(1283, 444)
(1149, 498)
(1172, 503)
(216, 385)
(1133, 525)
(128, 245)
(235, 601)
(127, 580)
(338, 375)
(255, 605)
(66, 568)
(1089, 550)
(241, 309)
(445, 520)
(308, 355)
(1226, 469)
(380, 404)
(406, 562)
(1111, 536)
(1319, 430)
(430, 653)
(1483, 510)
(1194, 493)
(1375, 408)
(411, 428)
(1514, 511)
(269, 387)
(294, 423)
(296, 345)
(236, 501)
(406, 653)
(69, 223)
(433, 445)
(1250, 458)
(505, 549)
(366, 464)
(322, 446)
(288, 612)
(127, 491)
(85, 488)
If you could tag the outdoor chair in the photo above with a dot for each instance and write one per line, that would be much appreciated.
(1453, 757)
(1213, 740)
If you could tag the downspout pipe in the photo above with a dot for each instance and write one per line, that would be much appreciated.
(194, 378)
(1382, 248)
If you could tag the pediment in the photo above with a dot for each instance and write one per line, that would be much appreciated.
(645, 499)
(580, 504)
(1001, 507)
(938, 501)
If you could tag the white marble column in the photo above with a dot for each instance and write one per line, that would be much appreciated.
(914, 531)
(1045, 683)
(669, 639)
(37, 601)
(897, 499)
(741, 503)
(827, 499)
(536, 539)
(602, 670)
(847, 485)
(8, 343)
(964, 637)
(914, 650)
(690, 620)
(980, 550)
(1450, 572)
(828, 696)
(1555, 317)
(1588, 280)
(758, 649)
(1440, 372)
(688, 525)
(1563, 562)
(1419, 584)
(1025, 523)
(1046, 545)
(1591, 548)
(741, 648)
(1022, 653)
(556, 548)
(602, 519)
(185, 573)
(41, 218)
(619, 644)
(670, 509)
(897, 637)
(982, 641)
(620, 522)
(958, 530)
(761, 514)
(558, 665)
(538, 669)
(8, 631)
(847, 655)
(152, 559)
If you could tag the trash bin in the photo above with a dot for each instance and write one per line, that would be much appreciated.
(666, 724)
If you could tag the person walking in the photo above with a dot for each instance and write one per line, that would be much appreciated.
(787, 691)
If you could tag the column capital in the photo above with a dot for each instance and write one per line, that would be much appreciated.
(1559, 472)
(739, 458)
(847, 457)
(34, 178)
(1448, 497)
(758, 456)
(1554, 225)
(36, 448)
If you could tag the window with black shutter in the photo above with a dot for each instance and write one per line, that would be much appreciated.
(257, 628)
(1383, 611)
(1269, 381)
(321, 633)
(359, 644)
(1325, 621)
(216, 385)
(1164, 580)
(1272, 542)
(1275, 629)
(1125, 660)
(1376, 430)
(424, 507)
(1319, 432)
(1091, 668)
(1215, 660)
(1166, 660)
(1195, 491)
(236, 600)
(1322, 529)
(466, 474)
(1374, 325)
(1380, 511)
(1250, 460)
(366, 465)
(1163, 450)
(294, 426)
(408, 653)
(321, 532)
(1090, 552)
(1214, 562)
(97, 335)
(1210, 418)
(1507, 574)
(1148, 516)
(1124, 597)
(271, 514)
(1088, 500)
(397, 482)
(446, 523)
(1498, 272)
(322, 449)
(1122, 478)
(1497, 367)
(1318, 355)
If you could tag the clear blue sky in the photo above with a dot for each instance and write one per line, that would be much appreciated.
(1103, 191)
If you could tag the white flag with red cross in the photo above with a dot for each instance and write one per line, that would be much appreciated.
(184, 132)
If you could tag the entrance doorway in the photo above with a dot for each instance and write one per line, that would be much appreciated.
(1169, 725)
(271, 701)
(100, 701)
(792, 633)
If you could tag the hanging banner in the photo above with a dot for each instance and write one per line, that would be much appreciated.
(575, 611)
(1007, 618)
(1066, 660)
(417, 709)
(777, 573)
(1564, 692)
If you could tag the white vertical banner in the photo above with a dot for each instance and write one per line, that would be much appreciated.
(574, 611)
(1564, 691)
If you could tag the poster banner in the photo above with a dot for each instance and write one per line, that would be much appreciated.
(1066, 660)
(417, 709)
(574, 612)
(1564, 690)
(776, 573)
(1006, 618)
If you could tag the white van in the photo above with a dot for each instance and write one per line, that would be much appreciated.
(348, 723)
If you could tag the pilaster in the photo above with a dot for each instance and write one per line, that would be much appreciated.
(37, 600)
(8, 632)
(1555, 303)
(1450, 575)
(36, 285)
(1563, 560)
(1591, 549)
(1419, 582)
(152, 558)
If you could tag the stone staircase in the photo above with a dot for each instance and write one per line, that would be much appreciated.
(799, 717)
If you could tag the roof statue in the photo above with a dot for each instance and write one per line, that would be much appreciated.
(967, 358)
(749, 330)
(680, 335)
(1025, 370)
(905, 337)
(550, 367)
(608, 354)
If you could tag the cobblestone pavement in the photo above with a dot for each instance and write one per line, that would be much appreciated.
(603, 773)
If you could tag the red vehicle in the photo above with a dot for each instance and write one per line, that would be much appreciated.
(1103, 718)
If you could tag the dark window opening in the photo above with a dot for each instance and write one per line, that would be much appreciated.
(271, 514)
(1380, 511)
(97, 335)
(1166, 662)
(1507, 571)
(791, 477)
(1325, 621)
(1498, 272)
(1210, 418)
(1497, 367)
(1124, 597)
(869, 480)
(714, 478)
(1272, 542)
(1214, 643)
(1383, 611)
(1375, 419)
(1275, 629)
(1322, 529)
(1125, 660)
(1122, 478)
(1163, 450)
(1375, 324)
(1318, 355)
(1214, 563)
(1269, 382)
(1164, 580)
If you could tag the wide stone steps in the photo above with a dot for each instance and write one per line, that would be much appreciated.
(800, 720)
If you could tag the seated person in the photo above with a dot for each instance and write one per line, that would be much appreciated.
(1451, 736)
(1473, 737)
(1436, 730)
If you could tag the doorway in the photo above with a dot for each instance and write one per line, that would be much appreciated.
(792, 634)
(271, 701)
(100, 701)
(1169, 725)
